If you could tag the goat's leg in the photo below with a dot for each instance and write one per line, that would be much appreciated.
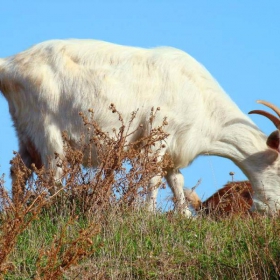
(50, 145)
(151, 199)
(175, 180)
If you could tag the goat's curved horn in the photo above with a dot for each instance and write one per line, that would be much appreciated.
(274, 119)
(270, 105)
(197, 184)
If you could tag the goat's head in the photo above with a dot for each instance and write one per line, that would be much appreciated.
(192, 198)
(272, 172)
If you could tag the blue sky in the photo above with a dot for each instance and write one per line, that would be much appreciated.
(237, 41)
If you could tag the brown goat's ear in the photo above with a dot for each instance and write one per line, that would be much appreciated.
(273, 140)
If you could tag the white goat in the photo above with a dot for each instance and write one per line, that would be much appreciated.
(47, 86)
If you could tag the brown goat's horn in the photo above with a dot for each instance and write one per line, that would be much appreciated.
(270, 105)
(274, 119)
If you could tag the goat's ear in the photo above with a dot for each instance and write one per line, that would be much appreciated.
(273, 140)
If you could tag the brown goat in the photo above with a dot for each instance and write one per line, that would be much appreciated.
(233, 198)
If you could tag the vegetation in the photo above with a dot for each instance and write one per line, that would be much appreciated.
(139, 245)
(92, 225)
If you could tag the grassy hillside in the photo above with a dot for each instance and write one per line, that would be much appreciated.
(139, 245)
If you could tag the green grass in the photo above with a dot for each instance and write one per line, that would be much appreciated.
(140, 245)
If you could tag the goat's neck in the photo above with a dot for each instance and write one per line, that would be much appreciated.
(238, 142)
